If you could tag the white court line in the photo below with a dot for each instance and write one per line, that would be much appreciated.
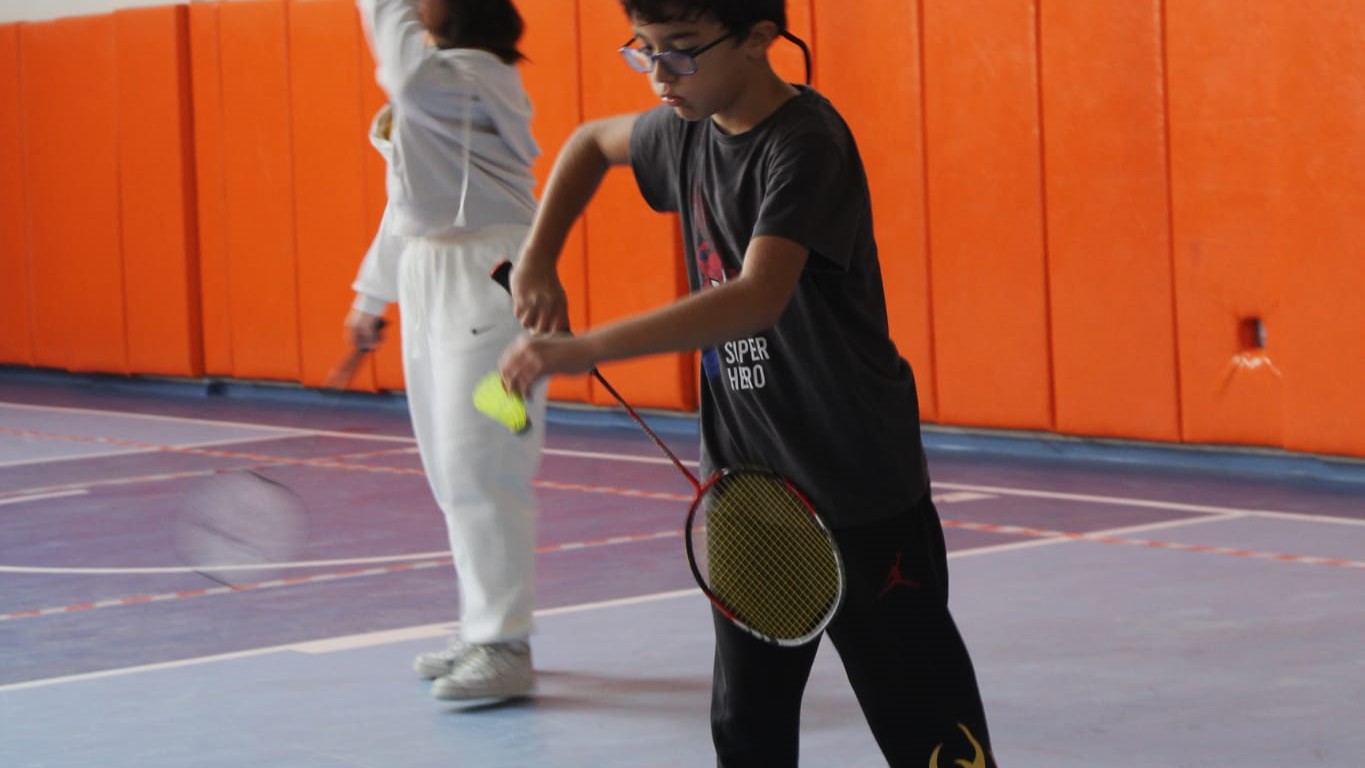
(1125, 501)
(959, 496)
(41, 496)
(1032, 543)
(372, 639)
(384, 637)
(110, 571)
(1295, 516)
(1004, 491)
(948, 498)
(615, 457)
(345, 642)
(114, 482)
(206, 422)
(295, 431)
(133, 450)
(78, 457)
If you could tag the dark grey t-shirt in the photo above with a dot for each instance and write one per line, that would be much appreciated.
(823, 396)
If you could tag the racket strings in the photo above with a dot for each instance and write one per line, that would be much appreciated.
(768, 560)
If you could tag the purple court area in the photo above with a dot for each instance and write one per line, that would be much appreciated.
(1125, 605)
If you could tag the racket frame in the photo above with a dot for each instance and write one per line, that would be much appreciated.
(715, 599)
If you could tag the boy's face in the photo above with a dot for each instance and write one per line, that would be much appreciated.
(722, 69)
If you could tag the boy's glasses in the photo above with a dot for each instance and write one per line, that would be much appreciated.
(679, 63)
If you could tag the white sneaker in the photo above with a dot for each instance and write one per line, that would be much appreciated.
(488, 671)
(434, 664)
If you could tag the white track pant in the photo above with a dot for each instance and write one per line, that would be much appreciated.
(456, 324)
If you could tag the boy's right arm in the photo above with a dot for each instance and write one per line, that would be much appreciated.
(537, 294)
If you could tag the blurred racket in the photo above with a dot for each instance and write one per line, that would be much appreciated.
(756, 547)
(341, 375)
(239, 527)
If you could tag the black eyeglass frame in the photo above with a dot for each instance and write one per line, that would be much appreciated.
(635, 57)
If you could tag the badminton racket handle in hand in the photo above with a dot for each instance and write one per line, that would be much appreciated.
(341, 375)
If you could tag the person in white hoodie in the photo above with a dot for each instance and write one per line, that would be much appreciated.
(457, 139)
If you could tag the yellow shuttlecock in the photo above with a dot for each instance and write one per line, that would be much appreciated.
(495, 402)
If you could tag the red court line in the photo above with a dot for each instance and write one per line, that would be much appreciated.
(242, 455)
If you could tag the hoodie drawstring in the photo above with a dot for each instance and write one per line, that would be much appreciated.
(468, 136)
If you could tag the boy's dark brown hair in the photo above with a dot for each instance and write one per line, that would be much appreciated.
(737, 16)
(491, 25)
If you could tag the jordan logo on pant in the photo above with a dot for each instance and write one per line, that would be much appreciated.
(978, 761)
(894, 578)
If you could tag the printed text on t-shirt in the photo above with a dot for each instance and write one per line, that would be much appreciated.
(743, 362)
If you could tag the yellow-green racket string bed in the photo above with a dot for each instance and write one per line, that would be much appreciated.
(764, 557)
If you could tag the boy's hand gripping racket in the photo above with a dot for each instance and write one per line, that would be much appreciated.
(756, 547)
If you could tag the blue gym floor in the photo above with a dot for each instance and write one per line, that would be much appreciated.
(1126, 606)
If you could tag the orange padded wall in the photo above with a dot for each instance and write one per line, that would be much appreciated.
(887, 118)
(257, 157)
(1321, 229)
(1132, 220)
(69, 109)
(16, 340)
(206, 88)
(636, 256)
(332, 221)
(551, 77)
(1108, 219)
(986, 241)
(1226, 186)
(156, 182)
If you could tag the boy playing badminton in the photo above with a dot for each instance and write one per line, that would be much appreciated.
(799, 372)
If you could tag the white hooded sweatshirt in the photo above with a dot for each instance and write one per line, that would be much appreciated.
(457, 138)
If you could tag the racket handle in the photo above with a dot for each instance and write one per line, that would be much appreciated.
(341, 375)
(502, 275)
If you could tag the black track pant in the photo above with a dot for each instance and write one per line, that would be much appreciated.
(900, 648)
